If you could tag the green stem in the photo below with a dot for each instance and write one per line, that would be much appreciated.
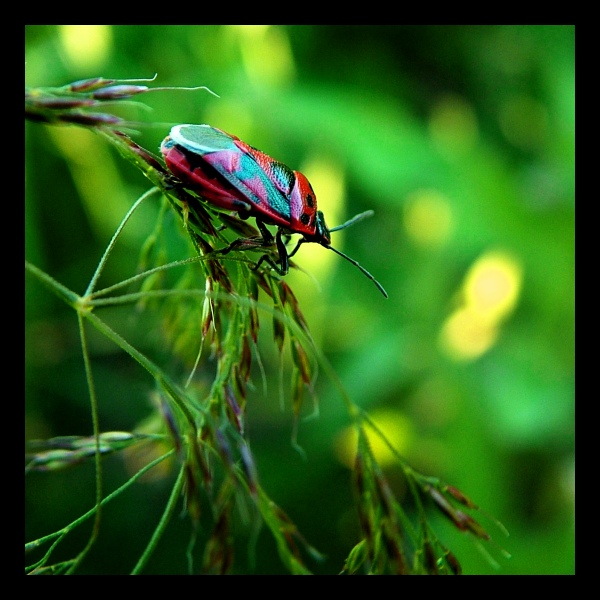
(96, 430)
(63, 532)
(113, 241)
(64, 293)
(148, 273)
(163, 380)
(160, 529)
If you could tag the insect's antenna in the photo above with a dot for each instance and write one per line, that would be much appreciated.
(365, 272)
(355, 219)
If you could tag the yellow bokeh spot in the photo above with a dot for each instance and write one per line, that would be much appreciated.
(492, 286)
(327, 180)
(397, 429)
(428, 217)
(489, 294)
(231, 115)
(465, 336)
(86, 47)
(266, 53)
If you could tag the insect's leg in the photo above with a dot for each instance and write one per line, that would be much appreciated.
(242, 244)
(283, 267)
(266, 234)
(283, 255)
(300, 242)
(266, 258)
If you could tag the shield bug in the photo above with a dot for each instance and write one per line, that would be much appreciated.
(234, 176)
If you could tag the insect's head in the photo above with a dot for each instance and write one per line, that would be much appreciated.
(322, 231)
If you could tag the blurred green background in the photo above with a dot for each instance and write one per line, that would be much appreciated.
(461, 139)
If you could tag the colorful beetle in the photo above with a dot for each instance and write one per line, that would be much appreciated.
(234, 176)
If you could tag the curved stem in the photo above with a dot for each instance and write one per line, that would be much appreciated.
(169, 509)
(110, 246)
(98, 456)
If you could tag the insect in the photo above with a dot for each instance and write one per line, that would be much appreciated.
(234, 176)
